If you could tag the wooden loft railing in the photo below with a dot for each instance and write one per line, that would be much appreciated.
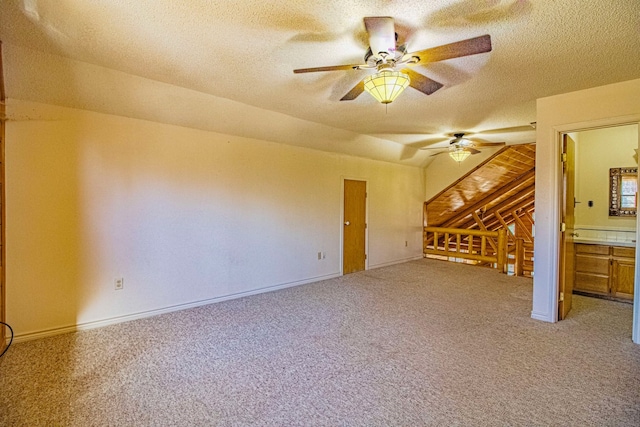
(521, 253)
(499, 249)
(495, 197)
(468, 245)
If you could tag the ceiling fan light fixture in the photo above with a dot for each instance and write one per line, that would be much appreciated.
(459, 154)
(386, 85)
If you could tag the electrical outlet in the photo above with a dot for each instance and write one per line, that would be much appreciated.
(119, 283)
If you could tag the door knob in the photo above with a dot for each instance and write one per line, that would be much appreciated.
(347, 223)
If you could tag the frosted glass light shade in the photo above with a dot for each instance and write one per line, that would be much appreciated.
(386, 85)
(459, 154)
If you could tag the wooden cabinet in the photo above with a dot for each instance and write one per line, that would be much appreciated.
(622, 278)
(592, 268)
(605, 270)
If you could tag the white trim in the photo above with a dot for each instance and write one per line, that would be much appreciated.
(144, 314)
(551, 251)
(400, 261)
(635, 331)
(540, 316)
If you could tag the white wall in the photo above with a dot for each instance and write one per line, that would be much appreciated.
(597, 151)
(184, 216)
(596, 107)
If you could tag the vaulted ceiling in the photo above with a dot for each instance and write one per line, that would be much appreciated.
(227, 66)
(495, 189)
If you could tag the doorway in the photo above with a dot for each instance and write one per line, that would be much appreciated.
(597, 247)
(354, 226)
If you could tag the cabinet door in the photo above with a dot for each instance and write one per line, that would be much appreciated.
(592, 273)
(623, 278)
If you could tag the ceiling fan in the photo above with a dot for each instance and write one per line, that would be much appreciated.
(386, 56)
(460, 147)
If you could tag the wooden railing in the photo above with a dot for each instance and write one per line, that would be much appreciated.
(520, 255)
(476, 245)
(483, 247)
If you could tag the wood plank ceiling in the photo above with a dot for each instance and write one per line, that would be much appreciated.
(497, 192)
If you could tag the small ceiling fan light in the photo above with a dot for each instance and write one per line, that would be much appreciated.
(386, 85)
(459, 154)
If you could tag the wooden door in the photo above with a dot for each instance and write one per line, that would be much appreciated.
(623, 278)
(2, 207)
(567, 248)
(354, 234)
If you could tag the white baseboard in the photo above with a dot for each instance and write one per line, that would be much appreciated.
(144, 314)
(400, 261)
(541, 316)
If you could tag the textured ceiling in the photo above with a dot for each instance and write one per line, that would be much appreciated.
(227, 66)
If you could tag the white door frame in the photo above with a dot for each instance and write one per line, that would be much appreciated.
(552, 293)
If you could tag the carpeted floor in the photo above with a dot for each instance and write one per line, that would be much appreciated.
(420, 343)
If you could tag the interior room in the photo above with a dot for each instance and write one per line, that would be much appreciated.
(602, 222)
(215, 213)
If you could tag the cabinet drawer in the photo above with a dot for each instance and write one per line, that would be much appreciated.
(592, 264)
(591, 283)
(624, 252)
(582, 248)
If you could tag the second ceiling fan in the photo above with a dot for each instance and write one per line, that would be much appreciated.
(385, 56)
(460, 147)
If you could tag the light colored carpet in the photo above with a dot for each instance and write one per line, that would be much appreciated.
(421, 343)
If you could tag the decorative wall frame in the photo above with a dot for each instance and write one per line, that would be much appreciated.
(621, 201)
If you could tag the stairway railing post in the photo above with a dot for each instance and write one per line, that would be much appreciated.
(519, 263)
(502, 250)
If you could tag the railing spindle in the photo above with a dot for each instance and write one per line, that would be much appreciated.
(519, 258)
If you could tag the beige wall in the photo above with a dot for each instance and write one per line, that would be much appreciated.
(597, 151)
(184, 216)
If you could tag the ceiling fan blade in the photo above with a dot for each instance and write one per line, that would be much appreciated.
(488, 144)
(382, 34)
(512, 129)
(472, 150)
(354, 93)
(422, 83)
(432, 148)
(330, 68)
(436, 154)
(467, 47)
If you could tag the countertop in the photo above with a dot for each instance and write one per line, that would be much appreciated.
(627, 244)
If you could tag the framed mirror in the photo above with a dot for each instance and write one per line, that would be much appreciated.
(623, 191)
